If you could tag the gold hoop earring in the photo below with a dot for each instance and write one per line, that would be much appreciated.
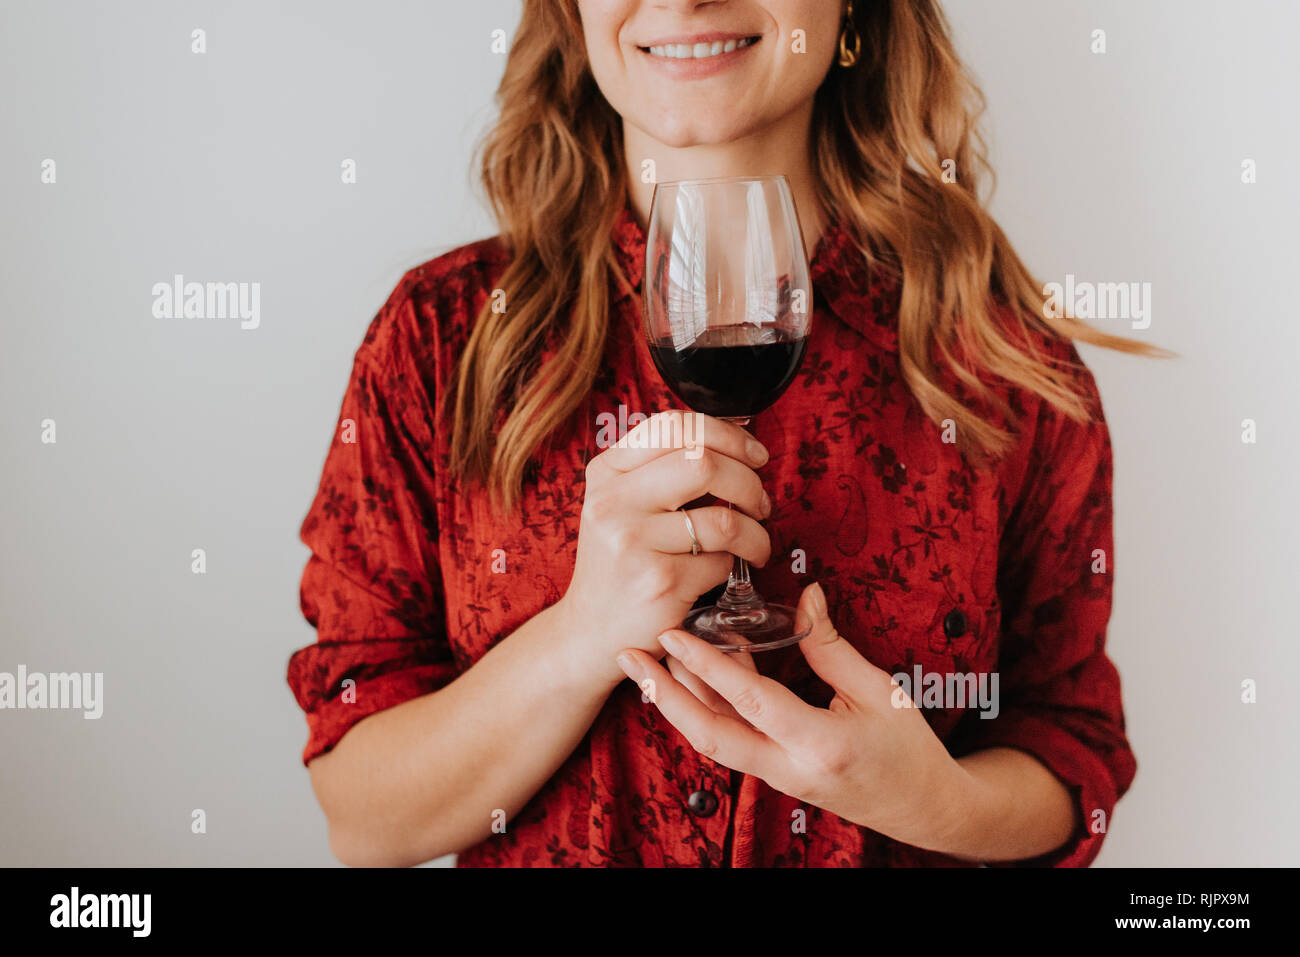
(849, 55)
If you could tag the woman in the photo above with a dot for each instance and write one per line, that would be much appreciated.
(935, 484)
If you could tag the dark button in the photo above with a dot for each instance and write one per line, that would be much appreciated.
(954, 623)
(702, 803)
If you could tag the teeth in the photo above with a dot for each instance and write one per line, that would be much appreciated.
(699, 51)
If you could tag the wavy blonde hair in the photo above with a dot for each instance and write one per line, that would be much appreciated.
(554, 173)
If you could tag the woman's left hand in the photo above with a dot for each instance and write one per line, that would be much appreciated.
(871, 757)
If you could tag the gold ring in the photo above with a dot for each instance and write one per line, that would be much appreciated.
(690, 530)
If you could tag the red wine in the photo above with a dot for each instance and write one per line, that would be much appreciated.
(730, 371)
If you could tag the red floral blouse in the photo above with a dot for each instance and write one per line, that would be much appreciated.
(925, 560)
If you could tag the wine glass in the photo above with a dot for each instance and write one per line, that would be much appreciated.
(728, 310)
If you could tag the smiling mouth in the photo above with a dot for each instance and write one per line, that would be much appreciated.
(699, 51)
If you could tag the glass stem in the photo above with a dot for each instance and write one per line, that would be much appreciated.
(740, 594)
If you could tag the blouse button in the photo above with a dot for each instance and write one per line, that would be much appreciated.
(954, 623)
(702, 803)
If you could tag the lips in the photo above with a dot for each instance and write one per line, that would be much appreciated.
(699, 50)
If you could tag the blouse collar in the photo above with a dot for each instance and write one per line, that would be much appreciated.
(865, 299)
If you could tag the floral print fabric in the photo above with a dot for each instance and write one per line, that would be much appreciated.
(925, 560)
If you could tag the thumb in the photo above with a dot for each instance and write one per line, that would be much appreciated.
(835, 661)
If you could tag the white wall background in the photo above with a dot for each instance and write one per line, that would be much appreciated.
(175, 435)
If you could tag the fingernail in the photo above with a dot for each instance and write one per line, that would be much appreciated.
(630, 667)
(766, 504)
(757, 453)
(671, 644)
(818, 599)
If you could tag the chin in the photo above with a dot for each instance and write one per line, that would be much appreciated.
(696, 132)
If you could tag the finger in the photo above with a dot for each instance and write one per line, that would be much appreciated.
(729, 741)
(855, 680)
(673, 480)
(702, 691)
(698, 688)
(690, 431)
(767, 705)
(718, 529)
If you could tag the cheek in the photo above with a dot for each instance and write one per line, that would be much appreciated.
(607, 69)
(601, 23)
(798, 75)
(810, 38)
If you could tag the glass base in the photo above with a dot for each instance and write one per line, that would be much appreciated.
(765, 628)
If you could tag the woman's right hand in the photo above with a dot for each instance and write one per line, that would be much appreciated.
(634, 575)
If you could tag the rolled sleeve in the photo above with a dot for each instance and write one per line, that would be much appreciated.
(1060, 693)
(371, 586)
(340, 680)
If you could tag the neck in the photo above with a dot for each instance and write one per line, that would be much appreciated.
(783, 147)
